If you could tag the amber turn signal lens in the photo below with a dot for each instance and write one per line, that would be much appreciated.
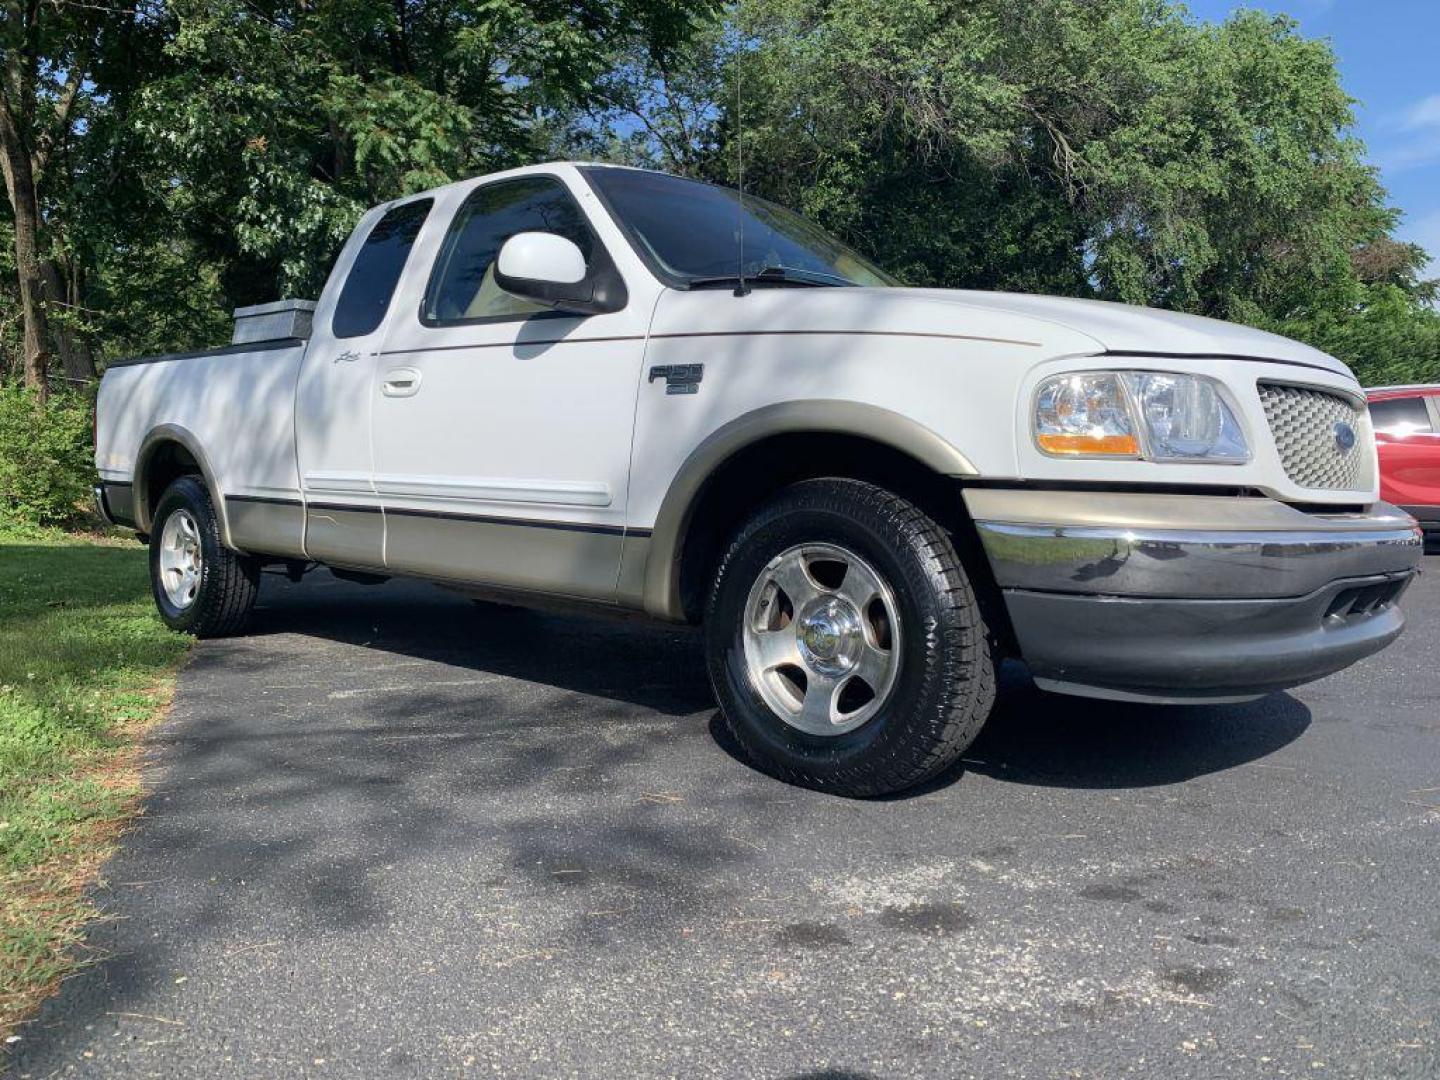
(1124, 445)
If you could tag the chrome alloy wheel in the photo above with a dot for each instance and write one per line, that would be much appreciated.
(822, 638)
(180, 559)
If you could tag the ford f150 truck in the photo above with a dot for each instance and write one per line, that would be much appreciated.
(633, 390)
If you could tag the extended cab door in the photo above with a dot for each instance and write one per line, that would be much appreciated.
(502, 430)
(343, 520)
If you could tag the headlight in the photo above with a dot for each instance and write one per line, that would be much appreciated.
(1186, 419)
(1085, 413)
(1137, 414)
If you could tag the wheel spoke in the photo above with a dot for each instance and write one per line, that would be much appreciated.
(817, 711)
(873, 667)
(179, 559)
(794, 580)
(860, 586)
(775, 648)
(831, 639)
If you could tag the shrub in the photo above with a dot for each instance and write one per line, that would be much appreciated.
(46, 460)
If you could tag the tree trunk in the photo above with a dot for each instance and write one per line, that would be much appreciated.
(75, 356)
(20, 186)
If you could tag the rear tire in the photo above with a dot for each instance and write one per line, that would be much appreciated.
(200, 586)
(882, 603)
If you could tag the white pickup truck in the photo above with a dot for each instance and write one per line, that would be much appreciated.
(624, 388)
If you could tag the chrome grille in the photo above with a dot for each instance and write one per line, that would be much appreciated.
(1303, 421)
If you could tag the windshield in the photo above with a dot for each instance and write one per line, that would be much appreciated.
(690, 234)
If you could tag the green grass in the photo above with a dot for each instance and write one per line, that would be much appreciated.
(85, 665)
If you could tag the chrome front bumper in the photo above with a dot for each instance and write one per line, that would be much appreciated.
(1183, 598)
(1428, 517)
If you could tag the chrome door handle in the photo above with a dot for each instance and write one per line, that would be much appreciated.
(401, 382)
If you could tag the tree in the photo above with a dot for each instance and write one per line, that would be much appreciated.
(1108, 148)
(281, 121)
(68, 71)
(169, 161)
(187, 156)
(658, 107)
(45, 60)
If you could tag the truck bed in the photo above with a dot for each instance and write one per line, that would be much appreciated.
(233, 407)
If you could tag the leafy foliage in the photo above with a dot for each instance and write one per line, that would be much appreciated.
(236, 142)
(216, 152)
(1382, 333)
(1114, 149)
(282, 121)
(46, 465)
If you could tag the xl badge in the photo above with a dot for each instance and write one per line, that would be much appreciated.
(1344, 437)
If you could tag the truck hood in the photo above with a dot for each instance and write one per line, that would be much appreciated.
(1127, 329)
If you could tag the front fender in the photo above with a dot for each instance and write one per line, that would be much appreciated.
(661, 585)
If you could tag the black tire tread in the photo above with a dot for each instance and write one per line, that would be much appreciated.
(967, 674)
(230, 582)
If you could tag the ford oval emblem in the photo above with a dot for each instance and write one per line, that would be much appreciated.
(1344, 437)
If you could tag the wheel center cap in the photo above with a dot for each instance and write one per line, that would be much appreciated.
(829, 632)
(822, 638)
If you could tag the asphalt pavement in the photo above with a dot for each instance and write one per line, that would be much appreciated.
(394, 833)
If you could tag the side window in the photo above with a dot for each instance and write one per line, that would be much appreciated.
(1400, 416)
(462, 285)
(376, 271)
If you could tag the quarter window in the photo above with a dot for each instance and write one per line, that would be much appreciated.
(462, 286)
(376, 271)
(1400, 416)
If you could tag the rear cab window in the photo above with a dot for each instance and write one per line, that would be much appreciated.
(376, 271)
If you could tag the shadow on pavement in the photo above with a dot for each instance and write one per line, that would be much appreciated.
(1054, 740)
(1033, 737)
(629, 660)
(406, 751)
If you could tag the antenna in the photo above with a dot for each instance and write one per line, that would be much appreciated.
(741, 288)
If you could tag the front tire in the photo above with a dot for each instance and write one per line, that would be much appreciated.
(845, 642)
(200, 586)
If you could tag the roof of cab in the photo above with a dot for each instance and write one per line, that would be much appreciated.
(521, 170)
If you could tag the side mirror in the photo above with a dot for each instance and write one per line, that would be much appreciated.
(549, 270)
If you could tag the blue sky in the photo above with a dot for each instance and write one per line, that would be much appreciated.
(1389, 55)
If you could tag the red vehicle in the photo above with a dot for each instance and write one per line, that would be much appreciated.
(1407, 433)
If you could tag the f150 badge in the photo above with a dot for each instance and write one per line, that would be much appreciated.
(679, 378)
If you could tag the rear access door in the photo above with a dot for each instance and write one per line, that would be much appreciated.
(344, 523)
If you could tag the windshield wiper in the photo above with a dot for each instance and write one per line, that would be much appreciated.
(775, 275)
(796, 273)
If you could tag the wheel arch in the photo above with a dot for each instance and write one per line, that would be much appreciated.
(797, 440)
(167, 452)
